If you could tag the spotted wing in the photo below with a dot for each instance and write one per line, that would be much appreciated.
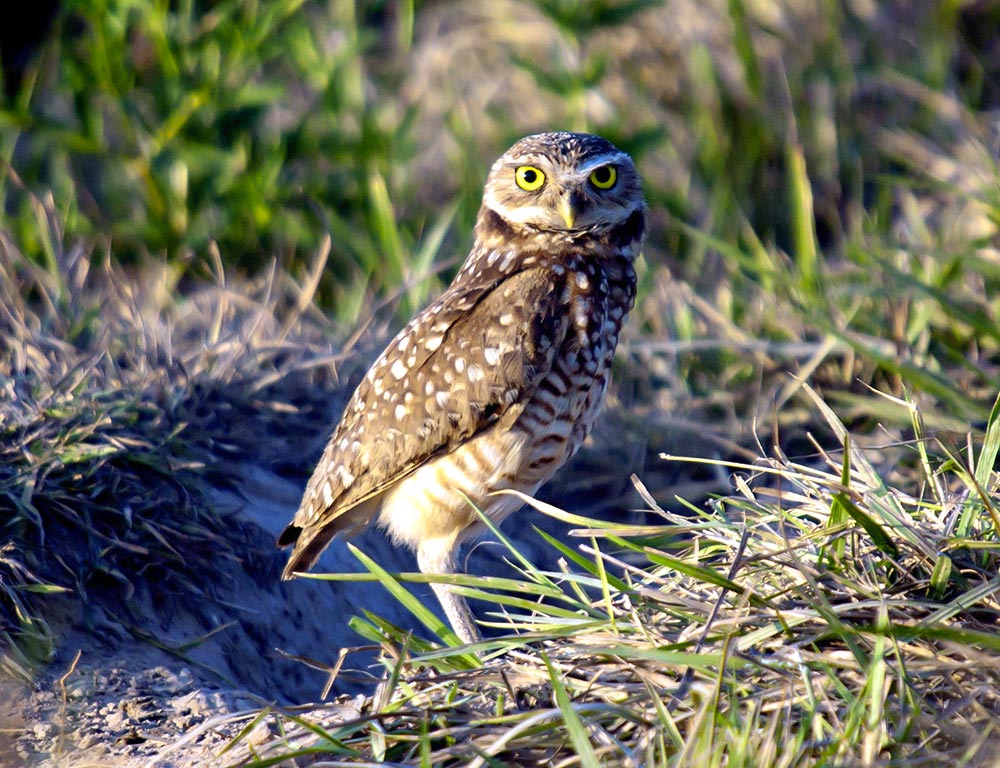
(467, 361)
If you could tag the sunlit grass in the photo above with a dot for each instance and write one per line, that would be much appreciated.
(767, 629)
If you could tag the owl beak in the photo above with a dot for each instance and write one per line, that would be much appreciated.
(567, 210)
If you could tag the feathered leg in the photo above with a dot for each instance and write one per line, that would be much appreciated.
(436, 557)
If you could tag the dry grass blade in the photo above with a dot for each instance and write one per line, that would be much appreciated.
(780, 630)
(107, 399)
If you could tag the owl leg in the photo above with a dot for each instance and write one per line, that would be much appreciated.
(435, 556)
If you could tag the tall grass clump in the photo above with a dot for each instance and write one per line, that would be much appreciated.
(119, 409)
(821, 614)
(163, 128)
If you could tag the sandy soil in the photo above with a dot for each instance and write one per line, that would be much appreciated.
(170, 682)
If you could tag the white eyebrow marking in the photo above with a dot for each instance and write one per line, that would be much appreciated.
(618, 158)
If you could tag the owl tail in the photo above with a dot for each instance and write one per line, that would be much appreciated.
(311, 539)
(307, 548)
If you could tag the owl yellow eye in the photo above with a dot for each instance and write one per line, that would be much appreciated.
(604, 177)
(529, 178)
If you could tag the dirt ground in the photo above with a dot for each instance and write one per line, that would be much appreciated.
(168, 682)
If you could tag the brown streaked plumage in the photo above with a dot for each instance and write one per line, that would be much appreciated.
(497, 383)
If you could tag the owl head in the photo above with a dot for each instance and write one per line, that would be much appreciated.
(572, 183)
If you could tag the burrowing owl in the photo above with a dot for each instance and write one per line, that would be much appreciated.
(497, 383)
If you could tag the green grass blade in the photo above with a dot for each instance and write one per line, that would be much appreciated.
(405, 598)
(574, 723)
(582, 561)
(803, 220)
(987, 461)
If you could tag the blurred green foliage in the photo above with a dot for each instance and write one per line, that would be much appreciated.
(161, 127)
(813, 156)
(164, 126)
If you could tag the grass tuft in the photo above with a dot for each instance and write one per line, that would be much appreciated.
(112, 404)
(771, 627)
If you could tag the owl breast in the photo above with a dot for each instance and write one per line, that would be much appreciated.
(523, 451)
(567, 401)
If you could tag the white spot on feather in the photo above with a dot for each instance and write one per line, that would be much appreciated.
(508, 260)
(433, 343)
